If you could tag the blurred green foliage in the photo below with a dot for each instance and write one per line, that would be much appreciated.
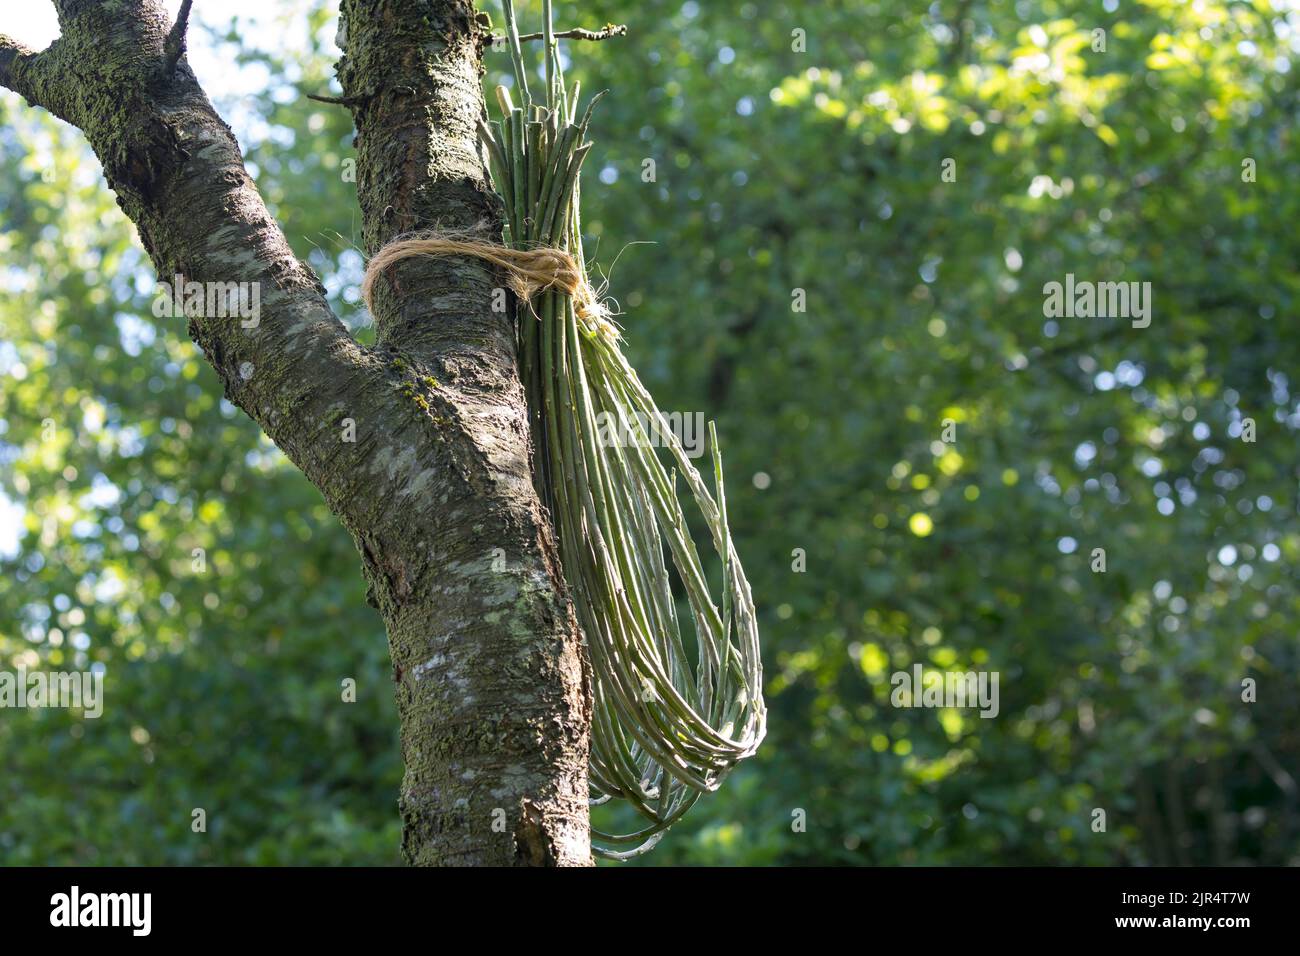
(776, 169)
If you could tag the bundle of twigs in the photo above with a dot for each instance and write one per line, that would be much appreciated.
(669, 720)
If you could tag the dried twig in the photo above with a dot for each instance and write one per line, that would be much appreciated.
(607, 31)
(175, 45)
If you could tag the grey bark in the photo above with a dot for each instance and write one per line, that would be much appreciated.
(436, 490)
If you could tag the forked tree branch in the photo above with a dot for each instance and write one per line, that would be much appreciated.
(434, 483)
(179, 175)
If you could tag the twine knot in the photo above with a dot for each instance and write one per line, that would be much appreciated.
(527, 272)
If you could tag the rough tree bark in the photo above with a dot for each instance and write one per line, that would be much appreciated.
(436, 489)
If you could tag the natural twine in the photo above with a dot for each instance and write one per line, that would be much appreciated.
(527, 272)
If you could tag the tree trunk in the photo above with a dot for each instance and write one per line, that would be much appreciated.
(436, 488)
